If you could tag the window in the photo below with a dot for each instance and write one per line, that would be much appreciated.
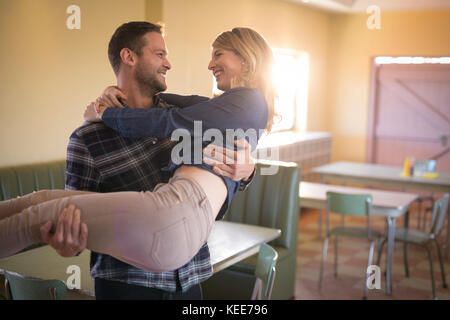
(291, 75)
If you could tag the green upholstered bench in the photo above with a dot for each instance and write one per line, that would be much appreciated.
(20, 180)
(23, 179)
(269, 201)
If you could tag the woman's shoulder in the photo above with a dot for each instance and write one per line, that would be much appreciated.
(252, 92)
(246, 95)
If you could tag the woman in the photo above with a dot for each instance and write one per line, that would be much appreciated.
(162, 230)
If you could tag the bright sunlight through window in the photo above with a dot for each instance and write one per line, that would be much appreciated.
(291, 76)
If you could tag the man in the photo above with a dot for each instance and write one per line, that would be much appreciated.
(100, 160)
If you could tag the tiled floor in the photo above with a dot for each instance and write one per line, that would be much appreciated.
(352, 263)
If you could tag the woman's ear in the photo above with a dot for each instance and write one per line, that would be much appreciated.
(128, 57)
(245, 66)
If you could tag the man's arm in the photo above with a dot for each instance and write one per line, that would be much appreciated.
(70, 237)
(237, 164)
(246, 182)
(81, 171)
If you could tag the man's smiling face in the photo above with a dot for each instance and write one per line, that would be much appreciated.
(152, 64)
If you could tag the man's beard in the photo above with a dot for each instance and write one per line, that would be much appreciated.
(148, 83)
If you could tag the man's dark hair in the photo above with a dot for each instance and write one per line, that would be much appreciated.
(129, 35)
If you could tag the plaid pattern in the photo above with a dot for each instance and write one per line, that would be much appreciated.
(100, 160)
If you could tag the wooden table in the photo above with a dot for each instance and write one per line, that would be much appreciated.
(229, 242)
(388, 204)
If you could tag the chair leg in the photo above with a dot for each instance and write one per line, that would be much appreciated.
(256, 294)
(380, 251)
(366, 289)
(433, 288)
(419, 214)
(335, 255)
(321, 215)
(8, 294)
(405, 258)
(444, 284)
(324, 256)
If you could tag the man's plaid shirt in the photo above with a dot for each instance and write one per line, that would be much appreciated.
(100, 160)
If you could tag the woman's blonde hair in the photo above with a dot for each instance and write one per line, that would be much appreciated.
(257, 63)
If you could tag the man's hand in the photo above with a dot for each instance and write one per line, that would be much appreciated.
(236, 165)
(70, 236)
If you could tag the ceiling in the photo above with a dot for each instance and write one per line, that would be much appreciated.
(350, 6)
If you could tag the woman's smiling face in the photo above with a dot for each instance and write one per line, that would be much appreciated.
(225, 65)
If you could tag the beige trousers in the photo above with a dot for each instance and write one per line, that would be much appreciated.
(155, 231)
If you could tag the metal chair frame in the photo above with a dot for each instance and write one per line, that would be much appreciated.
(52, 290)
(439, 213)
(367, 213)
(257, 293)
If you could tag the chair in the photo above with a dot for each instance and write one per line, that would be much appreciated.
(21, 288)
(265, 273)
(223, 286)
(354, 205)
(423, 238)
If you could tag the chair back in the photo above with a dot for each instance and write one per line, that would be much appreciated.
(440, 208)
(265, 272)
(272, 201)
(21, 288)
(349, 204)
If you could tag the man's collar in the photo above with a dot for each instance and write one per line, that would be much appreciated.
(156, 99)
(123, 103)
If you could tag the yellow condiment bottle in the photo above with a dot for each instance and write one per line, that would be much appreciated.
(406, 168)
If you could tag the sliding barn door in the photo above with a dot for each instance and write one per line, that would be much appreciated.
(411, 114)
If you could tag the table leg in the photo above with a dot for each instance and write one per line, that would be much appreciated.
(390, 253)
(446, 246)
(321, 215)
(322, 212)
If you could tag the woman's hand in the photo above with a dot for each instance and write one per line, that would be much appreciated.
(94, 112)
(110, 97)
